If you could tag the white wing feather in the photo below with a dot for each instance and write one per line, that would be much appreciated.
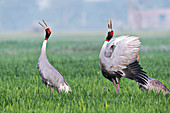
(125, 51)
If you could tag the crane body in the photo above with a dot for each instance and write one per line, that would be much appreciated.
(50, 76)
(119, 58)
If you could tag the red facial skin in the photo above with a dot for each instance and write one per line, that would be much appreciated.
(48, 33)
(107, 40)
(110, 35)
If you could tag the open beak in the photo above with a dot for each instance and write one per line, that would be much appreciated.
(43, 25)
(109, 25)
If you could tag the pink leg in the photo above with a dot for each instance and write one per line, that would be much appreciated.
(114, 84)
(118, 86)
(115, 88)
(52, 89)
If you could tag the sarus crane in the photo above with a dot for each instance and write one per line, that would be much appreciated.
(50, 76)
(119, 58)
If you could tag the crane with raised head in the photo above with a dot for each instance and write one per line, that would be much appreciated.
(50, 76)
(119, 58)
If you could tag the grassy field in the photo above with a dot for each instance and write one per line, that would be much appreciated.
(76, 57)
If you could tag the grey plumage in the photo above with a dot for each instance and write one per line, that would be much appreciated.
(118, 58)
(154, 85)
(51, 76)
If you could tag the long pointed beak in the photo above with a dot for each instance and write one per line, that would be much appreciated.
(43, 25)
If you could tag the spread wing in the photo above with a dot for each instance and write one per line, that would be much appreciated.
(125, 52)
(124, 58)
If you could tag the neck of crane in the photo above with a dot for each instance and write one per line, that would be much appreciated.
(102, 51)
(105, 44)
(43, 49)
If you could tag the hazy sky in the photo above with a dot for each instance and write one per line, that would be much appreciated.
(71, 15)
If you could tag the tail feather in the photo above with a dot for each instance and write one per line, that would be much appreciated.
(154, 85)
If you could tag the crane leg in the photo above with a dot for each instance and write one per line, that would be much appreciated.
(118, 80)
(114, 84)
(115, 88)
(52, 89)
(118, 86)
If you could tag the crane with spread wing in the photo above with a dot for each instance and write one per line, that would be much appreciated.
(119, 58)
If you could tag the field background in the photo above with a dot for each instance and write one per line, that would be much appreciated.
(75, 55)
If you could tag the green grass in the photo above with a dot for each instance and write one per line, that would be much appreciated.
(76, 57)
